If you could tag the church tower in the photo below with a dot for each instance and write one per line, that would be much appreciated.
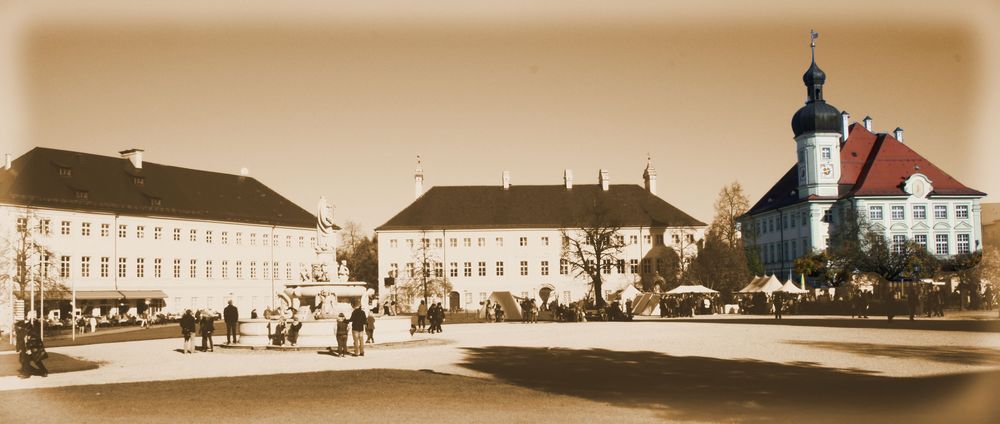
(418, 180)
(649, 176)
(817, 131)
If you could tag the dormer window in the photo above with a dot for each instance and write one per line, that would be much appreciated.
(155, 202)
(138, 180)
(65, 172)
(82, 194)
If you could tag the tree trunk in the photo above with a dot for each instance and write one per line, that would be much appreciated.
(598, 292)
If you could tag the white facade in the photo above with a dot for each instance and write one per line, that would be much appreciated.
(197, 264)
(477, 262)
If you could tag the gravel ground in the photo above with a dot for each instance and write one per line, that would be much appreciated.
(675, 370)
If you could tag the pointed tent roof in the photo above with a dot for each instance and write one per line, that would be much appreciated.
(691, 289)
(790, 287)
(767, 284)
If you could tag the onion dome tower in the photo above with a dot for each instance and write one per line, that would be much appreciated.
(817, 135)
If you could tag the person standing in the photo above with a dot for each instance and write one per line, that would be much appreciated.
(253, 313)
(488, 311)
(293, 331)
(422, 315)
(440, 317)
(358, 321)
(232, 317)
(778, 299)
(36, 352)
(341, 335)
(912, 300)
(370, 328)
(207, 328)
(187, 330)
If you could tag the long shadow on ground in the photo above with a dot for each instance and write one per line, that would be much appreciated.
(57, 363)
(709, 389)
(947, 354)
(900, 323)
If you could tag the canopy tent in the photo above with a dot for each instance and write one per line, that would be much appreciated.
(691, 289)
(511, 306)
(629, 292)
(762, 284)
(647, 304)
(790, 287)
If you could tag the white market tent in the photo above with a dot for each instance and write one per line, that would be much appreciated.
(691, 289)
(790, 287)
(762, 284)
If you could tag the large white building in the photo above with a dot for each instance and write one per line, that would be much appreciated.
(508, 237)
(844, 167)
(128, 233)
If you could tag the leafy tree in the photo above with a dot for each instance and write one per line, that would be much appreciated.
(729, 206)
(722, 262)
(592, 239)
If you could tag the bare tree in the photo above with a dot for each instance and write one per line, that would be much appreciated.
(425, 276)
(729, 206)
(25, 261)
(593, 239)
(350, 236)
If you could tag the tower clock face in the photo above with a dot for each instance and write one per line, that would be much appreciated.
(826, 170)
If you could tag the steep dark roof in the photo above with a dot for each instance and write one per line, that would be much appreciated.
(541, 206)
(870, 165)
(110, 184)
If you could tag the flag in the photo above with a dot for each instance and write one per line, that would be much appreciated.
(802, 279)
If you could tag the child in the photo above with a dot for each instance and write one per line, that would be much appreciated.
(293, 331)
(370, 328)
(341, 335)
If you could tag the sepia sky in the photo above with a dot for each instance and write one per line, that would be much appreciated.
(338, 99)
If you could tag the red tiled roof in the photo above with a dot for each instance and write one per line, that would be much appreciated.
(871, 165)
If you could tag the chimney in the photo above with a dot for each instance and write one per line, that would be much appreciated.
(244, 172)
(134, 156)
(898, 133)
(605, 181)
(7, 161)
(845, 125)
(568, 178)
(505, 176)
(649, 176)
(418, 180)
(868, 123)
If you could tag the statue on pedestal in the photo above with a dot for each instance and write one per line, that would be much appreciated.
(324, 227)
(343, 273)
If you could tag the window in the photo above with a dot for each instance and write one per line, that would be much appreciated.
(647, 239)
(266, 270)
(453, 242)
(499, 241)
(919, 212)
(193, 268)
(177, 268)
(467, 269)
(288, 241)
(105, 264)
(563, 267)
(194, 235)
(138, 180)
(962, 211)
(482, 269)
(620, 266)
(898, 212)
(225, 237)
(288, 271)
(826, 153)
(224, 269)
(65, 172)
(453, 269)
(676, 238)
(524, 267)
(84, 229)
(828, 215)
(940, 211)
(409, 243)
(439, 270)
(253, 239)
(606, 266)
(208, 269)
(177, 234)
(253, 270)
(921, 240)
(155, 201)
(875, 213)
(208, 237)
(122, 264)
(425, 243)
(962, 243)
(239, 270)
(64, 228)
(647, 267)
(898, 241)
(157, 233)
(659, 239)
(85, 266)
(140, 267)
(157, 268)
(265, 239)
(499, 269)
(140, 231)
(545, 241)
(122, 230)
(239, 239)
(64, 267)
(393, 243)
(523, 241)
(633, 266)
(43, 227)
(545, 268)
(439, 243)
(620, 239)
(940, 243)
(481, 241)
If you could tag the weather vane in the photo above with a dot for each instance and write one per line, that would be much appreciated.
(813, 35)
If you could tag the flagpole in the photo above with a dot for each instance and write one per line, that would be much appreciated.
(72, 312)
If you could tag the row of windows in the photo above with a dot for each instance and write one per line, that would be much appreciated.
(789, 250)
(65, 228)
(523, 241)
(191, 268)
(467, 269)
(898, 212)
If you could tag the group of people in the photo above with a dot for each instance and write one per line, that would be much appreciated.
(362, 325)
(203, 324)
(492, 312)
(434, 315)
(30, 348)
(284, 330)
(529, 311)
